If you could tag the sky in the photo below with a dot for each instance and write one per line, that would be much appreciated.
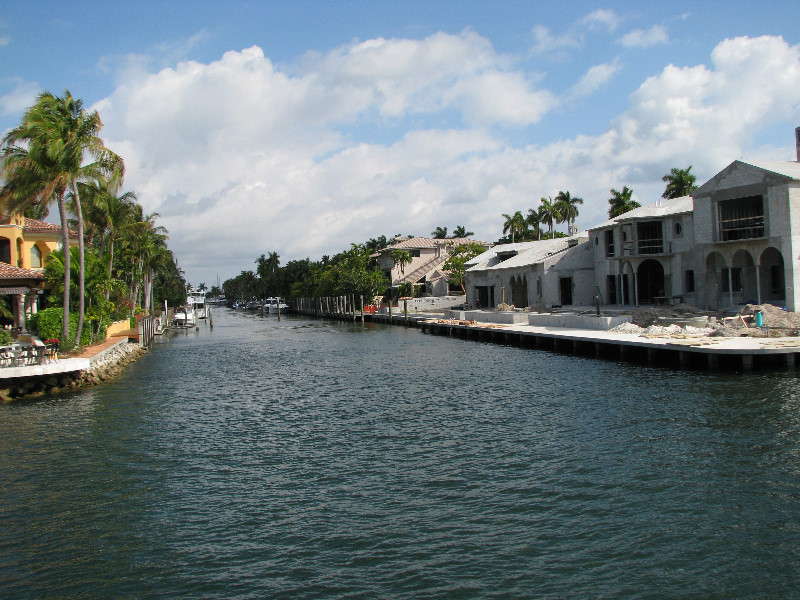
(301, 127)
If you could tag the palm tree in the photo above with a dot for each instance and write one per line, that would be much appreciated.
(550, 213)
(44, 159)
(109, 212)
(620, 202)
(534, 220)
(461, 232)
(439, 233)
(515, 225)
(568, 206)
(680, 182)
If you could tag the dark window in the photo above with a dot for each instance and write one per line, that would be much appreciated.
(651, 240)
(688, 281)
(611, 289)
(5, 250)
(610, 243)
(735, 279)
(414, 253)
(776, 279)
(741, 219)
(678, 229)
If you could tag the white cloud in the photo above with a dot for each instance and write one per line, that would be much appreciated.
(641, 38)
(20, 98)
(601, 18)
(401, 136)
(545, 43)
(595, 78)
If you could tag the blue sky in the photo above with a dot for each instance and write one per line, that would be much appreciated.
(300, 127)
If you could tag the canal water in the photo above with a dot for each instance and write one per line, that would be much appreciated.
(313, 459)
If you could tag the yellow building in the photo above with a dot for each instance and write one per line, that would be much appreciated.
(25, 245)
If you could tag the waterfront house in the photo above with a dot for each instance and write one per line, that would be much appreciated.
(646, 255)
(735, 241)
(25, 245)
(428, 256)
(545, 272)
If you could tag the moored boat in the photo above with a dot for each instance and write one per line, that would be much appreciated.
(274, 305)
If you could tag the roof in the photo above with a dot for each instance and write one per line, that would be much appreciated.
(528, 253)
(33, 225)
(658, 209)
(421, 242)
(789, 169)
(9, 272)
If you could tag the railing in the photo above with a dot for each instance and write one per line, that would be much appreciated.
(743, 228)
(651, 246)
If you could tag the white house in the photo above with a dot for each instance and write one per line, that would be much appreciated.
(735, 241)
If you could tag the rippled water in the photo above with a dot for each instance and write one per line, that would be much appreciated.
(308, 459)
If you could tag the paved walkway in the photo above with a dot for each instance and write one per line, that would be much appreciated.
(90, 351)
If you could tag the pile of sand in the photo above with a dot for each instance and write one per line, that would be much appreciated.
(773, 316)
(648, 315)
(627, 328)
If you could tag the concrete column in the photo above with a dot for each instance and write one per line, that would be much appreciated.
(636, 289)
(758, 284)
(730, 285)
(747, 362)
(19, 311)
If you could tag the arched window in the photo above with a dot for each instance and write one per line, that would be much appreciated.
(5, 250)
(36, 258)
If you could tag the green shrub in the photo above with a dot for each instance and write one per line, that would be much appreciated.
(47, 325)
(5, 337)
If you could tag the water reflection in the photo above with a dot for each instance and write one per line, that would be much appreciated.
(314, 459)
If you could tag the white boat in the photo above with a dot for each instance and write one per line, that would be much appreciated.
(222, 301)
(196, 300)
(184, 317)
(272, 304)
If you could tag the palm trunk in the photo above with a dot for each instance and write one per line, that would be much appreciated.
(110, 264)
(81, 266)
(62, 209)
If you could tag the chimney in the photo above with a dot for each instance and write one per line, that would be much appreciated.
(797, 141)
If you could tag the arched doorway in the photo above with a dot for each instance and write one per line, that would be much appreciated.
(743, 278)
(626, 284)
(650, 281)
(715, 264)
(772, 276)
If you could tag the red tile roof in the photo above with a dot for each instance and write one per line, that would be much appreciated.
(34, 225)
(9, 272)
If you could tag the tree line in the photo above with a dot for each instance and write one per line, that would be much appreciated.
(519, 227)
(55, 156)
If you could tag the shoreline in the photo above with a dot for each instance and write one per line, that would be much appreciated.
(98, 364)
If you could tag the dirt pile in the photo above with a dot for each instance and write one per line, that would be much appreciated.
(649, 315)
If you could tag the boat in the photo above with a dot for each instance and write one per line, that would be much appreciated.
(196, 300)
(253, 304)
(274, 305)
(222, 301)
(184, 317)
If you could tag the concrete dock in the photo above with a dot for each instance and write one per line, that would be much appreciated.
(676, 351)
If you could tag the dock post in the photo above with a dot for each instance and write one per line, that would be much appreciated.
(362, 308)
(789, 357)
(713, 361)
(683, 359)
(747, 362)
(405, 311)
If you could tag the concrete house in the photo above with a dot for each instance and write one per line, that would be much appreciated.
(548, 272)
(735, 241)
(747, 235)
(647, 255)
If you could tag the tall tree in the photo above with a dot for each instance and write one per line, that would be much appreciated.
(568, 207)
(45, 157)
(534, 221)
(680, 182)
(439, 233)
(515, 225)
(456, 264)
(461, 232)
(550, 213)
(621, 202)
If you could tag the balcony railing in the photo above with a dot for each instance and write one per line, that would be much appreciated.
(651, 246)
